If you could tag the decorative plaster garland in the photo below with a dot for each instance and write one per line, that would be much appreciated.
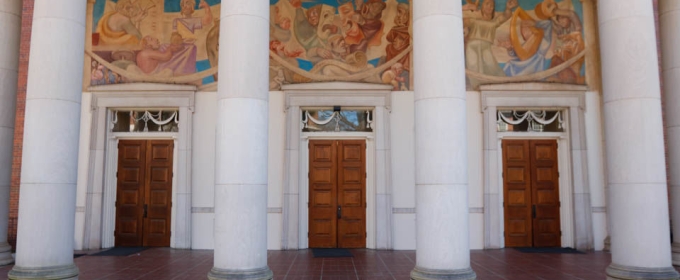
(531, 117)
(148, 116)
(335, 116)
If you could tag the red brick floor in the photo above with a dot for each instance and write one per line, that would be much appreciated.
(165, 263)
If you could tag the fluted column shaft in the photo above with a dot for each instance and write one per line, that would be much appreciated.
(638, 200)
(10, 19)
(669, 24)
(50, 148)
(241, 143)
(442, 241)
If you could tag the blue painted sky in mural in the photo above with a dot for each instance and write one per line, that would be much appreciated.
(334, 3)
(171, 6)
(530, 4)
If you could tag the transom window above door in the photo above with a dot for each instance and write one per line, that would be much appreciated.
(337, 119)
(145, 120)
(508, 120)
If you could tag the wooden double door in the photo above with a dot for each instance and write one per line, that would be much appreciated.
(144, 193)
(337, 194)
(531, 193)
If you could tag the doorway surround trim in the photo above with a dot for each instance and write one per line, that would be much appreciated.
(575, 216)
(100, 219)
(378, 181)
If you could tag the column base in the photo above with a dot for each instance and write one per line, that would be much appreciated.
(675, 250)
(621, 272)
(419, 273)
(6, 254)
(65, 272)
(253, 274)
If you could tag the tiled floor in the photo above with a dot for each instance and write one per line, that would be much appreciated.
(164, 263)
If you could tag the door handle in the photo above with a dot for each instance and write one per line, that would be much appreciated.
(339, 212)
(533, 211)
(145, 210)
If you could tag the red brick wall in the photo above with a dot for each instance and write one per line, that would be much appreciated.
(26, 23)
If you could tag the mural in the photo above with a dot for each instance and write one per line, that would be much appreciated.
(340, 40)
(176, 41)
(166, 41)
(523, 40)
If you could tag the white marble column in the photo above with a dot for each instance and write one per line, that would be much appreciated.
(47, 198)
(10, 19)
(636, 167)
(241, 142)
(442, 241)
(669, 24)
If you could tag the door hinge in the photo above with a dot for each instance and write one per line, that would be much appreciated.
(309, 145)
(558, 174)
(366, 175)
(560, 233)
(116, 174)
(503, 204)
(307, 175)
(503, 175)
(366, 234)
(308, 234)
(559, 204)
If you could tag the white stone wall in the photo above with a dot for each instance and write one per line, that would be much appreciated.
(203, 179)
(403, 171)
(475, 134)
(402, 161)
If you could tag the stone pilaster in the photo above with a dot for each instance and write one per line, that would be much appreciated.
(241, 142)
(50, 146)
(442, 241)
(636, 173)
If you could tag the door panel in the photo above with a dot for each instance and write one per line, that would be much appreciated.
(130, 192)
(144, 193)
(517, 193)
(337, 194)
(322, 189)
(531, 193)
(546, 195)
(352, 194)
(159, 193)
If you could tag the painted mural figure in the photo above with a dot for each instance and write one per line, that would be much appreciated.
(529, 48)
(370, 23)
(530, 41)
(399, 39)
(187, 24)
(568, 28)
(481, 36)
(183, 37)
(340, 40)
(306, 23)
(151, 56)
(121, 26)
